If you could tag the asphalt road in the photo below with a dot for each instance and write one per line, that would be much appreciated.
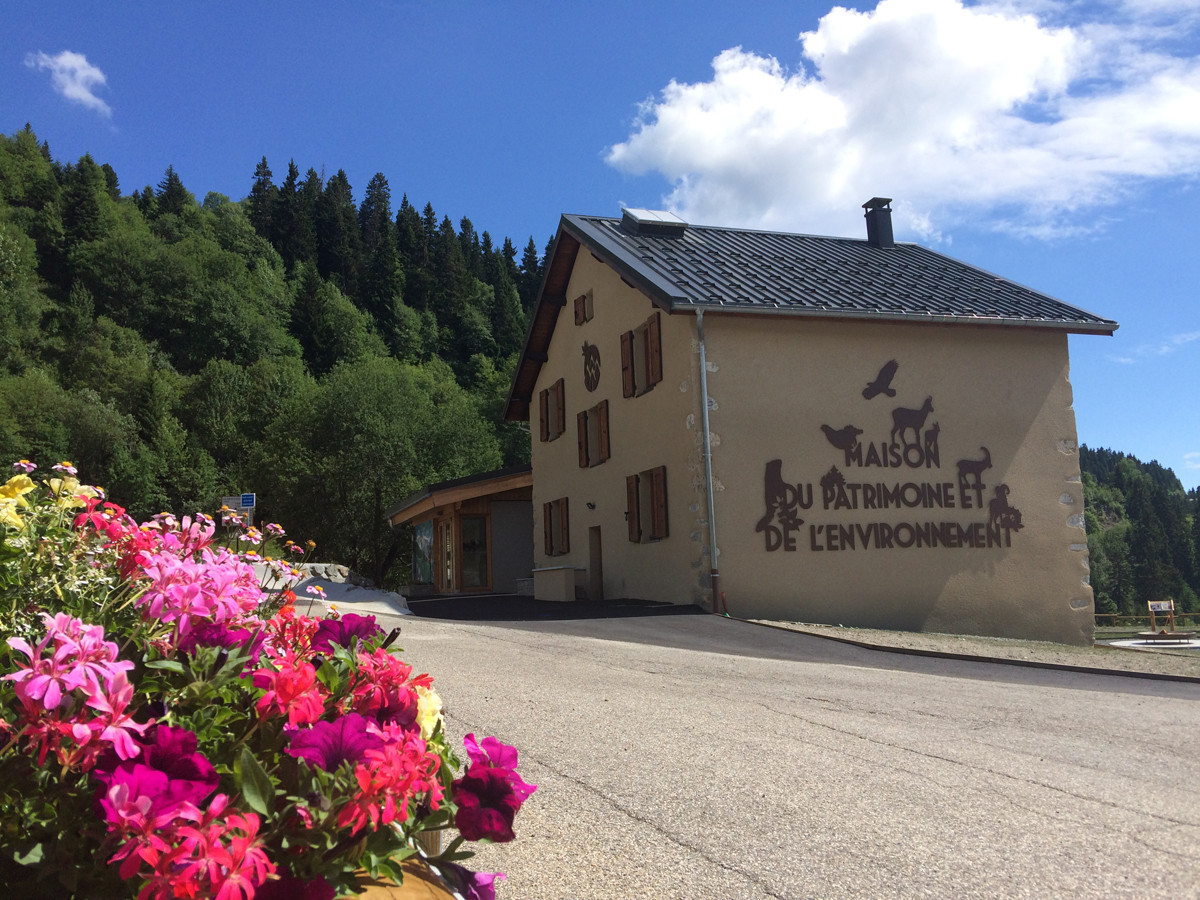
(690, 756)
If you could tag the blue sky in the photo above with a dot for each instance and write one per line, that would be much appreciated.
(1056, 144)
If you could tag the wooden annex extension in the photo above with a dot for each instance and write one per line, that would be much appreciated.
(470, 534)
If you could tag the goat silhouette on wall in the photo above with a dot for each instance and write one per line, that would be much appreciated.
(1001, 512)
(970, 477)
(905, 420)
(883, 381)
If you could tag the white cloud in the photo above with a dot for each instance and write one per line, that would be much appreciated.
(956, 111)
(1164, 347)
(1191, 460)
(73, 76)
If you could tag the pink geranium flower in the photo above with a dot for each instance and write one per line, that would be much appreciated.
(292, 689)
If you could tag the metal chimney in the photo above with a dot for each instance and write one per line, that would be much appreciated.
(879, 222)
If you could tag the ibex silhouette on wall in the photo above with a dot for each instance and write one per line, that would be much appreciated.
(904, 419)
(970, 471)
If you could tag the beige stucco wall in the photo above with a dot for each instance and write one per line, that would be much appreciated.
(644, 432)
(773, 383)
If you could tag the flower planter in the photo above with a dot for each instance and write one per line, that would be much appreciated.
(420, 883)
(160, 710)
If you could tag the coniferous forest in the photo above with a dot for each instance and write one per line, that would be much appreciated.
(332, 357)
(328, 355)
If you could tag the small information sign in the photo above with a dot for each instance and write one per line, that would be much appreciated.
(248, 501)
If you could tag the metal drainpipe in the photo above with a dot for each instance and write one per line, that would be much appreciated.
(717, 601)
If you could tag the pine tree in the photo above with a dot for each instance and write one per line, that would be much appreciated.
(472, 252)
(293, 232)
(529, 281)
(87, 207)
(382, 282)
(261, 201)
(173, 198)
(338, 242)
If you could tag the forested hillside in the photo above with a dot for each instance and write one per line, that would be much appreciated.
(329, 355)
(1143, 533)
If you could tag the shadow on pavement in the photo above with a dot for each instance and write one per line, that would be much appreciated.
(518, 608)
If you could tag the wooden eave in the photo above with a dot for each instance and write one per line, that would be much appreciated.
(515, 486)
(551, 300)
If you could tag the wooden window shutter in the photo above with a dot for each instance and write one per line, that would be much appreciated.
(564, 532)
(560, 407)
(581, 309)
(544, 415)
(631, 508)
(581, 421)
(548, 528)
(627, 386)
(602, 429)
(658, 494)
(654, 349)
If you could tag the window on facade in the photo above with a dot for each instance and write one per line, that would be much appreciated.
(593, 435)
(641, 357)
(552, 411)
(583, 308)
(646, 505)
(555, 528)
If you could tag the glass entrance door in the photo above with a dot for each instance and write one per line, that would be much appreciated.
(474, 552)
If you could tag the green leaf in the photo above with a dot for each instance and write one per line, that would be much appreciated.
(329, 676)
(255, 783)
(32, 858)
(168, 664)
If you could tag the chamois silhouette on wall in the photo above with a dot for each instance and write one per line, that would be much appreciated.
(904, 420)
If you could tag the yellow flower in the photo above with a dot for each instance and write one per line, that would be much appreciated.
(70, 494)
(17, 486)
(8, 513)
(429, 711)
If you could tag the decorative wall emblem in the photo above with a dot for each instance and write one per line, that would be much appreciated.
(591, 366)
(927, 507)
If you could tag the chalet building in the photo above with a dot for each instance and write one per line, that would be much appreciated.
(821, 429)
(470, 535)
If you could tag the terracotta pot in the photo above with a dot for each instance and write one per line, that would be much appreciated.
(420, 883)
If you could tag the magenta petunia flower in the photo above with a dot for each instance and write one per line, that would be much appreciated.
(491, 792)
(326, 745)
(343, 631)
(289, 887)
(187, 775)
(209, 634)
(472, 885)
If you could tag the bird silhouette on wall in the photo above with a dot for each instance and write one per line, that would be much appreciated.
(842, 438)
(883, 381)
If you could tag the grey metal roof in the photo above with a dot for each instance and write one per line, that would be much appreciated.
(740, 270)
